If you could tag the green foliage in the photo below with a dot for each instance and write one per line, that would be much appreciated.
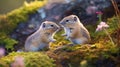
(10, 21)
(7, 41)
(114, 24)
(100, 35)
(32, 59)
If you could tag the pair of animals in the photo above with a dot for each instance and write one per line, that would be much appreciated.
(74, 31)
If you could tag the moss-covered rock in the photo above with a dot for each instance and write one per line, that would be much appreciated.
(31, 59)
(88, 55)
(10, 21)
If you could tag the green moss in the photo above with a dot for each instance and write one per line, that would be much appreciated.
(36, 59)
(9, 42)
(100, 35)
(60, 40)
(21, 14)
(114, 24)
(74, 55)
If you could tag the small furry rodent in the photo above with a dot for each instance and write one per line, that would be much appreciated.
(74, 30)
(41, 38)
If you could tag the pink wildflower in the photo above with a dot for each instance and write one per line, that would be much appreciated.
(99, 12)
(2, 52)
(101, 26)
(19, 62)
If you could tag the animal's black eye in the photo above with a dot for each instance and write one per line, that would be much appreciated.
(52, 25)
(67, 20)
(44, 25)
(75, 18)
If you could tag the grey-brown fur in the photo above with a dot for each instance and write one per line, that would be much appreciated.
(42, 37)
(74, 30)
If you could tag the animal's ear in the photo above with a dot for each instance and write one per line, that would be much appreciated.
(43, 25)
(75, 18)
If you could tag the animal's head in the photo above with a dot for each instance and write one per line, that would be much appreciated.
(69, 21)
(49, 27)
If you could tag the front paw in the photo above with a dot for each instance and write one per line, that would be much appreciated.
(67, 38)
(53, 40)
(64, 34)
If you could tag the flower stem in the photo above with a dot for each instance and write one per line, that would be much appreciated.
(109, 36)
(100, 18)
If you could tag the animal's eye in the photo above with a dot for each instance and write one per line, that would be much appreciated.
(75, 18)
(67, 20)
(52, 25)
(44, 25)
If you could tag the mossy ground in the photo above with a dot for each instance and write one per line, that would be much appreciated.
(31, 59)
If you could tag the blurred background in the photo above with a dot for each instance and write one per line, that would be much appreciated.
(9, 5)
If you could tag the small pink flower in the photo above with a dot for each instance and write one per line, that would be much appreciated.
(2, 52)
(99, 12)
(101, 26)
(19, 59)
(19, 62)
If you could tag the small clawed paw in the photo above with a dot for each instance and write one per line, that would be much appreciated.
(67, 38)
(64, 34)
(53, 40)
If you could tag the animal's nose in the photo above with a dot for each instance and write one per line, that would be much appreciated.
(58, 27)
